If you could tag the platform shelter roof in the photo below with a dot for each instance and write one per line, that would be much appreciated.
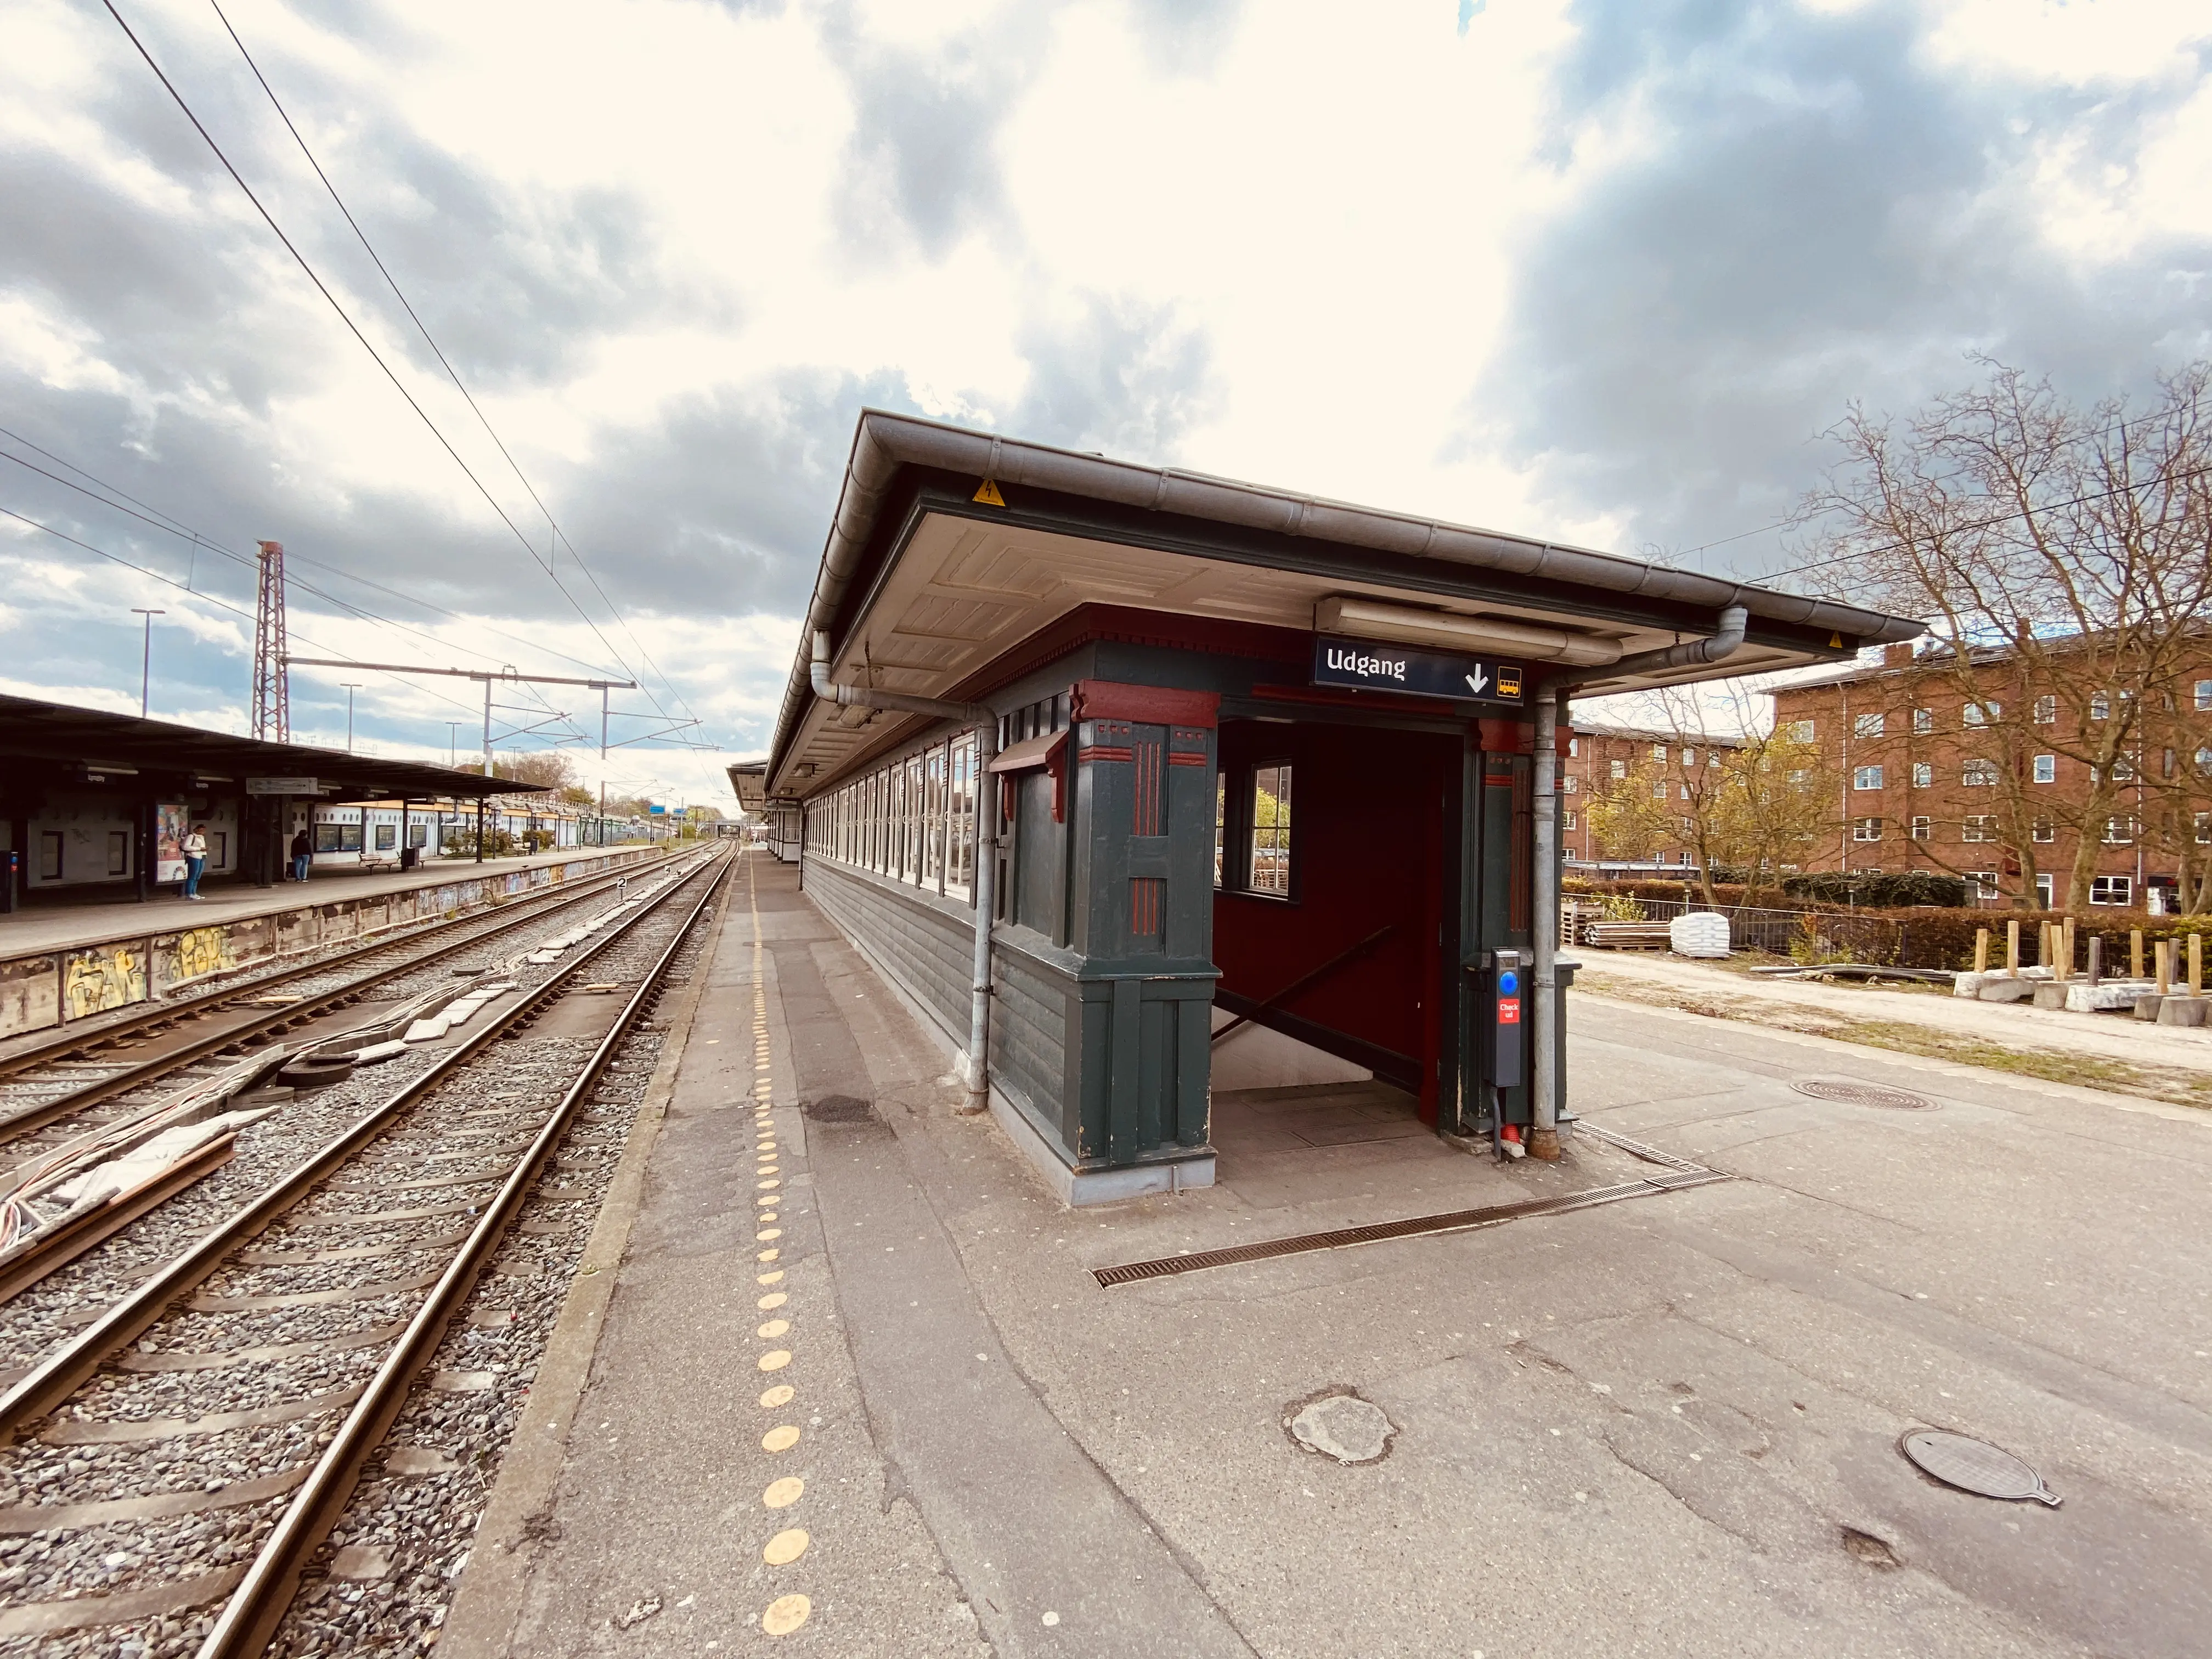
(114, 747)
(951, 550)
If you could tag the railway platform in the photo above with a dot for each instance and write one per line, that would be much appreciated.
(841, 1377)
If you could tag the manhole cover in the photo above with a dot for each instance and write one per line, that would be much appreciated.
(839, 1109)
(1974, 1466)
(1862, 1094)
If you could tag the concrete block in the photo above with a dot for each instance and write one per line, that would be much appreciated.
(2048, 995)
(426, 1030)
(2182, 1011)
(2147, 1007)
(1967, 984)
(2105, 996)
(377, 1051)
(1998, 988)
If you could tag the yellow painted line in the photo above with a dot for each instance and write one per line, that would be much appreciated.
(780, 1395)
(782, 1494)
(773, 1329)
(771, 1278)
(766, 1234)
(773, 1299)
(782, 1438)
(766, 1256)
(786, 1614)
(774, 1360)
(785, 1548)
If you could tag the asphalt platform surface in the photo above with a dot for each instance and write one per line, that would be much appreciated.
(1665, 1426)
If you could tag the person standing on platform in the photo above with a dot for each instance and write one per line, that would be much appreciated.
(195, 850)
(303, 852)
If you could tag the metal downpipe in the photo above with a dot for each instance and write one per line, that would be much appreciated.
(976, 1071)
(1544, 1072)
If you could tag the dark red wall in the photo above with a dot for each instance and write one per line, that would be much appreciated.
(1367, 822)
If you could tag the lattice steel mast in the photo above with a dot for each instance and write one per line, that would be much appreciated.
(272, 680)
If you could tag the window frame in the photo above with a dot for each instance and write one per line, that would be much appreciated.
(1282, 837)
(1866, 830)
(1866, 777)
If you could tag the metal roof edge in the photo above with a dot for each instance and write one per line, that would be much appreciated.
(883, 440)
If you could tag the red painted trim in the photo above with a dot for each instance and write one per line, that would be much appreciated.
(1153, 705)
(1508, 737)
(1096, 753)
(1184, 757)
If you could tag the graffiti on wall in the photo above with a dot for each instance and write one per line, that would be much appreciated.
(203, 950)
(103, 977)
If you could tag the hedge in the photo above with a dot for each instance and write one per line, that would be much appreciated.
(1944, 939)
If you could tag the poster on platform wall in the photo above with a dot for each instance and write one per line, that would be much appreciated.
(170, 827)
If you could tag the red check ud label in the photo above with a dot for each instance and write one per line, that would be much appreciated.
(1509, 1011)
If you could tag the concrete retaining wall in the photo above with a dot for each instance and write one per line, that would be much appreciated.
(55, 986)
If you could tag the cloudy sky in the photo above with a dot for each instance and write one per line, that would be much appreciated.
(1601, 270)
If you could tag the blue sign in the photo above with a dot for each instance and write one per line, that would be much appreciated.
(656, 809)
(1376, 666)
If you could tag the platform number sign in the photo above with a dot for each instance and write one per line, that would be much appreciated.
(1375, 665)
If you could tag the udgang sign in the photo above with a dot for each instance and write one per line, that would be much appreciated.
(1373, 666)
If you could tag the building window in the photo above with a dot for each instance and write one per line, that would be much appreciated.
(1567, 820)
(2046, 768)
(50, 855)
(2046, 711)
(2100, 706)
(1981, 884)
(1689, 757)
(1866, 726)
(1866, 777)
(118, 852)
(1920, 829)
(1978, 773)
(1618, 769)
(1797, 778)
(2042, 832)
(2204, 829)
(1984, 713)
(1658, 788)
(2043, 885)
(1798, 732)
(1271, 830)
(1574, 748)
(1924, 774)
(1659, 752)
(1866, 828)
(960, 819)
(1220, 822)
(1567, 784)
(1979, 826)
(1924, 721)
(2203, 759)
(387, 837)
(2123, 770)
(1686, 792)
(418, 834)
(2111, 889)
(2119, 832)
(2204, 696)
(2168, 764)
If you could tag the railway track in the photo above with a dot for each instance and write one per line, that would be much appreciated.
(193, 1443)
(67, 1075)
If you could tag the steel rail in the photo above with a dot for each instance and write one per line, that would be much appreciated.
(33, 1118)
(250, 1618)
(61, 1373)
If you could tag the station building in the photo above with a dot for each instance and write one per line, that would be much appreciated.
(94, 804)
(1093, 760)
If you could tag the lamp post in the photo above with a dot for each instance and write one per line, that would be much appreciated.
(351, 686)
(453, 743)
(146, 656)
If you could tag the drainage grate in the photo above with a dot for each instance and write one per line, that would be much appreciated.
(1452, 1221)
(1862, 1094)
(1974, 1466)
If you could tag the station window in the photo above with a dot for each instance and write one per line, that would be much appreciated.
(1220, 822)
(1866, 828)
(1866, 777)
(387, 837)
(1866, 726)
(2046, 768)
(50, 855)
(1923, 775)
(1271, 830)
(1920, 829)
(2111, 889)
(1924, 721)
(118, 852)
(418, 834)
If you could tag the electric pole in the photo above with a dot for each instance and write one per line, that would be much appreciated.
(146, 667)
(272, 687)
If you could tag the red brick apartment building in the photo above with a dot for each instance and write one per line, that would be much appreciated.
(1601, 757)
(1939, 769)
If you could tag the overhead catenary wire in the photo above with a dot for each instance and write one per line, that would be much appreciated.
(557, 536)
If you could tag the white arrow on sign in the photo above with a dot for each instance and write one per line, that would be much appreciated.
(1480, 681)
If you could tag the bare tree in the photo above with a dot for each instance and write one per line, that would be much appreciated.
(2062, 556)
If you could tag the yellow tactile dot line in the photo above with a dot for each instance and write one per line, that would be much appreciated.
(789, 1612)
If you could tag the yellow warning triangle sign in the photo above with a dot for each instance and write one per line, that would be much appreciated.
(1835, 640)
(987, 492)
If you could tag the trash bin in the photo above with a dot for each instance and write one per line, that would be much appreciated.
(409, 857)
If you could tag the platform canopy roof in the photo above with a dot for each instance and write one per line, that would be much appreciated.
(930, 580)
(749, 779)
(116, 746)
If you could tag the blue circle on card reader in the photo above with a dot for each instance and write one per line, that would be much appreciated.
(1508, 983)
